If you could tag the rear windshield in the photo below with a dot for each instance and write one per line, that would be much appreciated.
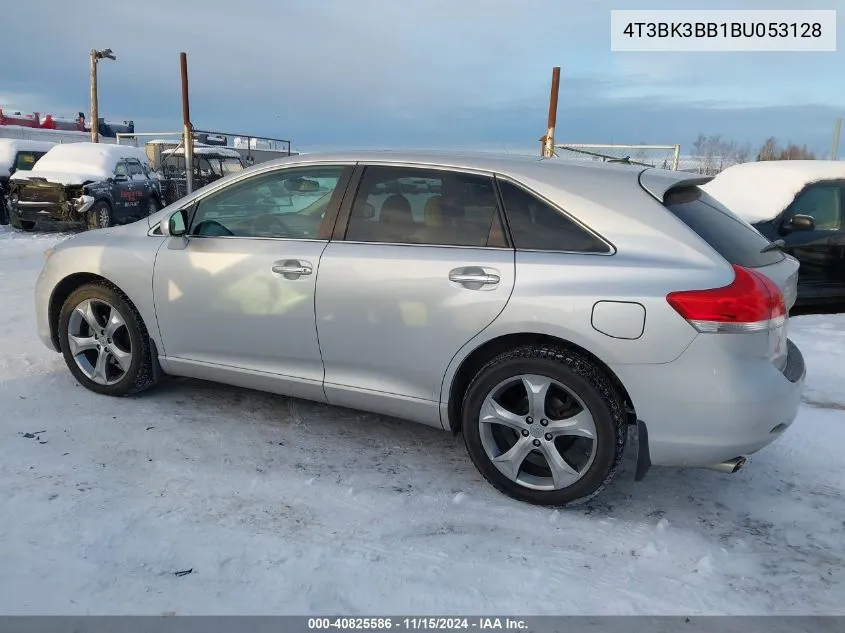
(737, 242)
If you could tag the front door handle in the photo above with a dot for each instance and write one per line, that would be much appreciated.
(485, 279)
(475, 277)
(292, 268)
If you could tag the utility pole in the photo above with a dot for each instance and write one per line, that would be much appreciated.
(548, 147)
(837, 128)
(186, 122)
(96, 56)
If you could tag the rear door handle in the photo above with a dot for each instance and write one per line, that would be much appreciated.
(292, 268)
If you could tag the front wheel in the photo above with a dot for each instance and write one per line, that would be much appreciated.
(99, 216)
(544, 425)
(4, 210)
(104, 341)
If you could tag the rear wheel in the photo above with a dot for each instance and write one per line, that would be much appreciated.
(104, 341)
(99, 216)
(544, 425)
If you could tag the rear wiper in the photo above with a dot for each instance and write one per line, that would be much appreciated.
(772, 246)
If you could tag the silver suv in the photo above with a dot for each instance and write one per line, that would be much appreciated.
(542, 308)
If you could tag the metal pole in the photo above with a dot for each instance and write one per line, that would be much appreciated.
(837, 128)
(676, 157)
(186, 121)
(549, 139)
(95, 116)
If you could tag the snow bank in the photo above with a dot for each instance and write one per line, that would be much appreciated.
(9, 147)
(76, 163)
(759, 191)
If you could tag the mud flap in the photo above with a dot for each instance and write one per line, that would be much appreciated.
(643, 456)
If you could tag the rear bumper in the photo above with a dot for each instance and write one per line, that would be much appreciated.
(700, 412)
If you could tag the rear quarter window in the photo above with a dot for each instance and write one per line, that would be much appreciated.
(734, 240)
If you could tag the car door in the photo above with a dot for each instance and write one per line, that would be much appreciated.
(235, 298)
(121, 187)
(418, 266)
(818, 250)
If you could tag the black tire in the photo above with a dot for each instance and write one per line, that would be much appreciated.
(21, 224)
(99, 216)
(140, 374)
(580, 376)
(4, 210)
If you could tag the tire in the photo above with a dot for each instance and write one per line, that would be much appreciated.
(4, 210)
(99, 216)
(582, 401)
(21, 224)
(129, 341)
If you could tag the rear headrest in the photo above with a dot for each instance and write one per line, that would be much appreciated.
(396, 209)
(433, 214)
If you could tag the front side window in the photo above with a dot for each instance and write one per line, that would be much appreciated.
(406, 205)
(288, 203)
(121, 169)
(535, 225)
(822, 203)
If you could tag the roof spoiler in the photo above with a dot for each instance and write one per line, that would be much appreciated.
(661, 182)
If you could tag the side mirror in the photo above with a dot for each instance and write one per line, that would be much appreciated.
(175, 224)
(121, 178)
(799, 222)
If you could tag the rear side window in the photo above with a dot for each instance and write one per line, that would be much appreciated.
(537, 226)
(734, 240)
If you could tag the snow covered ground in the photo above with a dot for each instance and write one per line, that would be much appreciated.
(282, 506)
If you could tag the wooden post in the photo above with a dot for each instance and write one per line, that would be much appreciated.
(95, 116)
(549, 139)
(186, 122)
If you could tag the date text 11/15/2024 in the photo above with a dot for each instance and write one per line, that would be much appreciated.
(416, 624)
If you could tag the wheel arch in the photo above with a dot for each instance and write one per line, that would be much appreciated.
(64, 289)
(472, 362)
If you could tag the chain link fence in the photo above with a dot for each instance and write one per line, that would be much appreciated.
(660, 156)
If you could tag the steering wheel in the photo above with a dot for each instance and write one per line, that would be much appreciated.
(212, 228)
(271, 223)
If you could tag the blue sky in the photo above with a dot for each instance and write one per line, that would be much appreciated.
(432, 73)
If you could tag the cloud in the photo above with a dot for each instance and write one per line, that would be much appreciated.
(381, 72)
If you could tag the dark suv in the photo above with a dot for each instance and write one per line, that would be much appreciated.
(85, 185)
(813, 232)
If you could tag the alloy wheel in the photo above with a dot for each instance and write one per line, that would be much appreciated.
(537, 432)
(99, 341)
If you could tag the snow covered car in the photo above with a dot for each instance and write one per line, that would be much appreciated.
(799, 204)
(211, 163)
(84, 185)
(17, 155)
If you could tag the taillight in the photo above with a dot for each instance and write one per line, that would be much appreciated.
(751, 303)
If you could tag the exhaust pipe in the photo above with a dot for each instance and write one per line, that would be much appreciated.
(730, 466)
